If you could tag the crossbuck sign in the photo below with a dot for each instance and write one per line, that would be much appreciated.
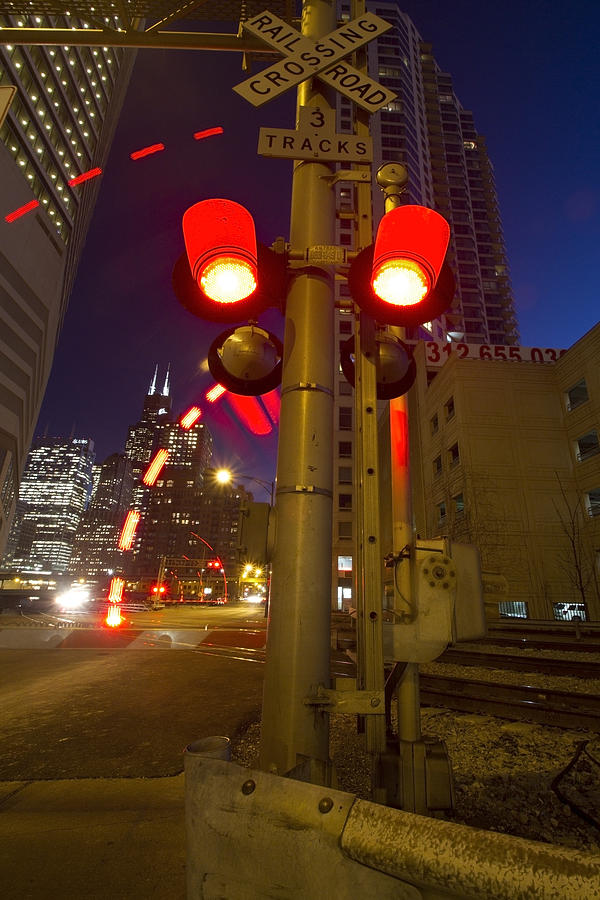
(306, 57)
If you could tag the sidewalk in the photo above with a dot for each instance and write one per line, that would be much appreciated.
(93, 838)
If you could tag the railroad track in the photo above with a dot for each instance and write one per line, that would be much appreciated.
(517, 702)
(519, 663)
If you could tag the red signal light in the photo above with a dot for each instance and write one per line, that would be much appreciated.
(220, 242)
(403, 279)
(128, 531)
(155, 467)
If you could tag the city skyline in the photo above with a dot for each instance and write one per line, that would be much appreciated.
(548, 208)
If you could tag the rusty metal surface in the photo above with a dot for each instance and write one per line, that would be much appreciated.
(458, 861)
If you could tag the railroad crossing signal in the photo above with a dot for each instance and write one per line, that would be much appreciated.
(305, 58)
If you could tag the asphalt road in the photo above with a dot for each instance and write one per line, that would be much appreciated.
(119, 713)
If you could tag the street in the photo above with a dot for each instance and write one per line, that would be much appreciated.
(90, 713)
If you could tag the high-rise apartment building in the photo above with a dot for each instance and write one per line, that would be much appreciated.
(52, 498)
(427, 130)
(59, 125)
(142, 438)
(95, 549)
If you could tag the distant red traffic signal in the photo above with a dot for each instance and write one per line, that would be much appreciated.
(402, 279)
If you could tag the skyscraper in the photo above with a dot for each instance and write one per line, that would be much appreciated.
(95, 549)
(60, 125)
(52, 497)
(143, 436)
(427, 130)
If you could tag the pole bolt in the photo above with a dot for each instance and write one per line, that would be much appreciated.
(248, 786)
(375, 701)
(325, 805)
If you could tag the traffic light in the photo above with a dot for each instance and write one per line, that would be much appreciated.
(225, 275)
(395, 365)
(247, 360)
(403, 279)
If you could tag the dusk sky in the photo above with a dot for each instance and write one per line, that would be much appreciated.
(529, 71)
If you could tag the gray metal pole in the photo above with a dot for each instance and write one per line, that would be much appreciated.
(298, 635)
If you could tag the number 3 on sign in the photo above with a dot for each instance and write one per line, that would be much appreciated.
(315, 117)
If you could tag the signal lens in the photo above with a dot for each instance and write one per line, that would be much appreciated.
(401, 282)
(228, 280)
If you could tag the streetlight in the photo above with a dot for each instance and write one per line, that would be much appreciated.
(225, 476)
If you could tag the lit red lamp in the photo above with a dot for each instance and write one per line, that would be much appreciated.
(225, 275)
(403, 279)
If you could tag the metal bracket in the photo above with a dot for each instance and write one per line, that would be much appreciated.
(361, 703)
(346, 175)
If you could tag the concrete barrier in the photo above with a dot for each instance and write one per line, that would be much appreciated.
(251, 835)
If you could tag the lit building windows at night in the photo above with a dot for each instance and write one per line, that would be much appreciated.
(587, 446)
(577, 395)
(344, 563)
(567, 612)
(513, 609)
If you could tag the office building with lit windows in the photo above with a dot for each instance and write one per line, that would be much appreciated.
(95, 549)
(59, 125)
(429, 131)
(53, 495)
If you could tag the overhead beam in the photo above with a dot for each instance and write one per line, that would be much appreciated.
(159, 40)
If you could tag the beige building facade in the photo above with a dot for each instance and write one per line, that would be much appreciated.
(505, 454)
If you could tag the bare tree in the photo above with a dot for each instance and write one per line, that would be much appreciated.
(578, 557)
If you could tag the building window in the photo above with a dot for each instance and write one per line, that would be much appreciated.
(345, 418)
(593, 502)
(459, 504)
(577, 395)
(453, 456)
(345, 531)
(587, 445)
(345, 475)
(435, 424)
(449, 409)
(345, 327)
(512, 609)
(345, 448)
(344, 389)
(345, 502)
(437, 466)
(441, 511)
(344, 563)
(566, 612)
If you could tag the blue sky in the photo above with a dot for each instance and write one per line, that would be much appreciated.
(528, 71)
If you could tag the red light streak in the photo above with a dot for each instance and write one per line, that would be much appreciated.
(147, 151)
(272, 403)
(128, 530)
(250, 413)
(155, 467)
(399, 434)
(115, 590)
(190, 418)
(85, 176)
(215, 392)
(17, 213)
(113, 617)
(208, 132)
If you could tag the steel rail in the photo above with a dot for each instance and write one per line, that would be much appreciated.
(517, 663)
(561, 709)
